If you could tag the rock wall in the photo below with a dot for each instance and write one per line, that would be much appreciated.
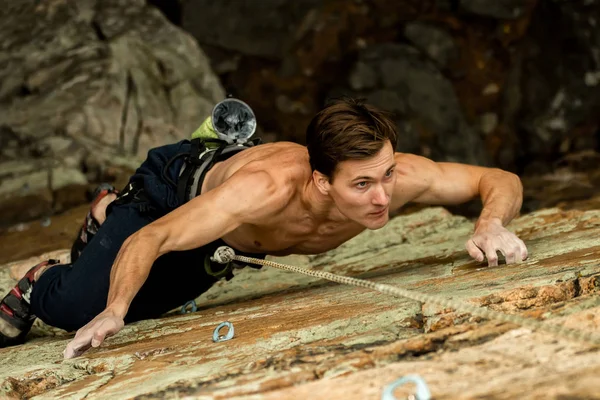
(298, 337)
(511, 83)
(86, 88)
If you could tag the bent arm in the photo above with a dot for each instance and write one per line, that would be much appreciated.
(502, 196)
(424, 181)
(241, 199)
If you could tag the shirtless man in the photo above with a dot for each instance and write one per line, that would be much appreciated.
(279, 198)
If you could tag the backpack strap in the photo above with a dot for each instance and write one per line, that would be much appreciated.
(204, 154)
(198, 153)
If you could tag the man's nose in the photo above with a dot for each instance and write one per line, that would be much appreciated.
(380, 197)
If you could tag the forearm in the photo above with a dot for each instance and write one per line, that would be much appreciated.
(130, 270)
(502, 196)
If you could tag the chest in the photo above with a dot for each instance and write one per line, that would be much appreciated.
(295, 236)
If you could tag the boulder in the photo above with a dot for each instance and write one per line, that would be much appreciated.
(500, 9)
(398, 78)
(264, 28)
(559, 85)
(86, 86)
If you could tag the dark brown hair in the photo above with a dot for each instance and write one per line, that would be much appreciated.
(347, 129)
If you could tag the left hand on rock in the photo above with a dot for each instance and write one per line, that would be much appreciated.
(492, 237)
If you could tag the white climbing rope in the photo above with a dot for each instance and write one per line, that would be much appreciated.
(225, 254)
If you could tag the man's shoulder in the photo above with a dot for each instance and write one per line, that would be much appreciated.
(285, 162)
(410, 164)
(274, 171)
(412, 178)
(257, 193)
(285, 170)
(278, 184)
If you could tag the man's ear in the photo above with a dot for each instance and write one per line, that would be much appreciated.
(322, 182)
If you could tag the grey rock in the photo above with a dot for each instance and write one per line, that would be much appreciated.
(436, 42)
(560, 60)
(423, 96)
(500, 9)
(110, 78)
(362, 76)
(23, 177)
(259, 28)
(488, 122)
(61, 177)
(390, 100)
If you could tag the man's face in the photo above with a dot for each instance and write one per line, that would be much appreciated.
(362, 189)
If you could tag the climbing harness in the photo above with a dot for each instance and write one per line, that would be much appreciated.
(422, 392)
(225, 133)
(226, 254)
(184, 307)
(223, 338)
(134, 193)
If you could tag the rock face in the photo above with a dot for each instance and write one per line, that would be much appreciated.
(502, 9)
(260, 28)
(298, 337)
(87, 86)
(560, 80)
(400, 79)
(509, 83)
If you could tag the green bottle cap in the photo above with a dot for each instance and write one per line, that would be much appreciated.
(205, 131)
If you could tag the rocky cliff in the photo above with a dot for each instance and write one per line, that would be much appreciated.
(298, 337)
(512, 83)
(87, 88)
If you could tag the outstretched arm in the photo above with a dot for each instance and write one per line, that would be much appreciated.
(244, 198)
(202, 220)
(424, 181)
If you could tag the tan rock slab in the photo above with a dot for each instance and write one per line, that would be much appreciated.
(298, 337)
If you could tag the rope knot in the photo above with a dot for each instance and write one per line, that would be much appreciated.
(223, 255)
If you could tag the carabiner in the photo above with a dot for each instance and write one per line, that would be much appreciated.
(223, 338)
(185, 306)
(422, 392)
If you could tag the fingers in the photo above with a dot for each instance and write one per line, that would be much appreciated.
(98, 338)
(510, 246)
(490, 253)
(92, 335)
(78, 345)
(514, 250)
(474, 251)
(512, 253)
(522, 249)
(107, 328)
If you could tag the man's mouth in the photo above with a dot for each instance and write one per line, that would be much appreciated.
(379, 213)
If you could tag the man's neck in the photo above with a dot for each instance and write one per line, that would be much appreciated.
(321, 206)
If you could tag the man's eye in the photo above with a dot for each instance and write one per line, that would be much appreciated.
(361, 185)
(389, 173)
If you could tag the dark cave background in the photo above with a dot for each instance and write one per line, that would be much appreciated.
(513, 84)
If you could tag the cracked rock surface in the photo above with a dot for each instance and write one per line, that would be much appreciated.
(299, 337)
(87, 86)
